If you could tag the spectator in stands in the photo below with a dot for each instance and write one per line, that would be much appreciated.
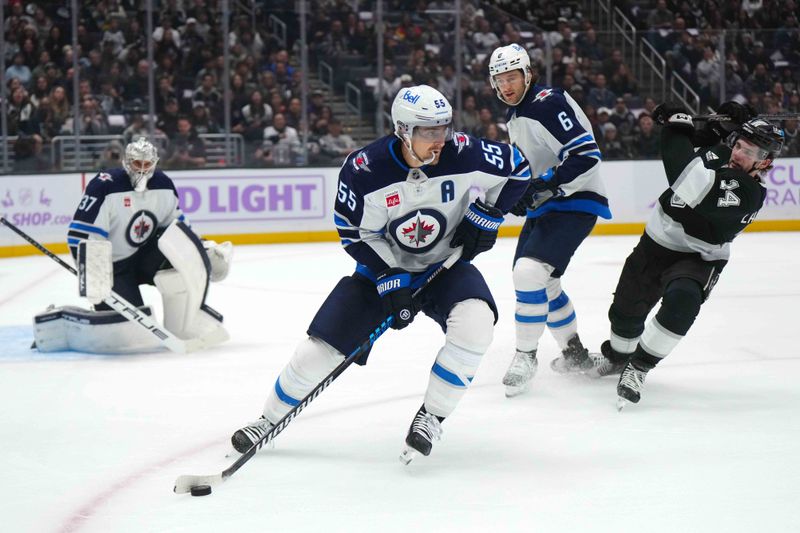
(281, 141)
(93, 120)
(57, 112)
(168, 119)
(707, 75)
(589, 47)
(114, 36)
(256, 116)
(41, 90)
(186, 149)
(600, 95)
(20, 113)
(54, 44)
(623, 82)
(28, 156)
(112, 155)
(136, 86)
(484, 38)
(470, 118)
(791, 147)
(759, 81)
(165, 33)
(294, 113)
(202, 121)
(447, 82)
(207, 93)
(610, 144)
(137, 128)
(622, 118)
(660, 18)
(647, 143)
(18, 69)
(335, 144)
(316, 105)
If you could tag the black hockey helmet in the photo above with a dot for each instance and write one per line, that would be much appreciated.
(763, 134)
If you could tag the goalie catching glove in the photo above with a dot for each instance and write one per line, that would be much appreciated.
(219, 255)
(478, 231)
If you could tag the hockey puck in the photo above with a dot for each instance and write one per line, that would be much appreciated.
(201, 490)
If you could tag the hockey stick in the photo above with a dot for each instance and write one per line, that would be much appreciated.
(185, 483)
(720, 118)
(117, 302)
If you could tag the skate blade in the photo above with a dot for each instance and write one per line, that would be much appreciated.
(516, 390)
(408, 455)
(621, 403)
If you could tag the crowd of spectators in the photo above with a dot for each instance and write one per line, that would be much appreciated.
(762, 59)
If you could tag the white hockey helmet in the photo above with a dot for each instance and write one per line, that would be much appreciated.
(508, 58)
(420, 106)
(140, 161)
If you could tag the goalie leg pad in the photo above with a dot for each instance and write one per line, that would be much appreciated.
(530, 283)
(219, 257)
(312, 360)
(470, 327)
(74, 328)
(184, 287)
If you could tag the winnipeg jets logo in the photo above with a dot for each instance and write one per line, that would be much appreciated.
(461, 140)
(140, 228)
(361, 162)
(418, 231)
(541, 95)
(104, 176)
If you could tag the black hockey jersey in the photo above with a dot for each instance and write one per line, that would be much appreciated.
(707, 204)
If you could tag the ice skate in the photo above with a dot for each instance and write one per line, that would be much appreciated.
(244, 438)
(425, 428)
(630, 386)
(574, 358)
(519, 375)
(607, 363)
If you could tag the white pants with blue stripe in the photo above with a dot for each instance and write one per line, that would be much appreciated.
(470, 326)
(541, 302)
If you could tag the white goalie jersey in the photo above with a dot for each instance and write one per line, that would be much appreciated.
(111, 209)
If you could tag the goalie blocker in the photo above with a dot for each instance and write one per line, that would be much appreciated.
(183, 289)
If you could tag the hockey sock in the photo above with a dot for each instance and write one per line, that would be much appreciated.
(312, 361)
(625, 331)
(561, 319)
(530, 284)
(470, 325)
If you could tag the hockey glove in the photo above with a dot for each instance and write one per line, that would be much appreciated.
(539, 189)
(478, 231)
(676, 117)
(394, 288)
(738, 115)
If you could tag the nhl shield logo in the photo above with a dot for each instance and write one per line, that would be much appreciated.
(418, 231)
(361, 162)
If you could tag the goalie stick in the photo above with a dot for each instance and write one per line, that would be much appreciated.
(118, 303)
(185, 483)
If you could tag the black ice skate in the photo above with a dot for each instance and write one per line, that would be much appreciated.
(629, 388)
(519, 375)
(425, 428)
(610, 362)
(244, 438)
(574, 358)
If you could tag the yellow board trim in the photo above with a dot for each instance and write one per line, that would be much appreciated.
(326, 236)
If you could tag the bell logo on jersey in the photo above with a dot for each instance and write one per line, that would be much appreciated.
(541, 95)
(393, 199)
(140, 228)
(360, 162)
(418, 231)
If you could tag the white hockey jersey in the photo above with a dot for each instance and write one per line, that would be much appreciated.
(111, 209)
(552, 131)
(389, 215)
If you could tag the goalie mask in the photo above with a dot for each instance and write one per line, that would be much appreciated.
(140, 162)
(506, 59)
(421, 106)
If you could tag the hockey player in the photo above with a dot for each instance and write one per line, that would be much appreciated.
(129, 228)
(714, 193)
(562, 204)
(403, 203)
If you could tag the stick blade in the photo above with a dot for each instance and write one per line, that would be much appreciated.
(184, 484)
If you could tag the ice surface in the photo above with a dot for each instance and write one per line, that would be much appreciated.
(94, 443)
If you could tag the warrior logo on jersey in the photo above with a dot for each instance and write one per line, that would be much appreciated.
(360, 162)
(461, 140)
(418, 231)
(140, 228)
(541, 95)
